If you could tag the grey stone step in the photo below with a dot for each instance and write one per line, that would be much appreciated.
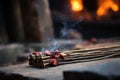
(102, 71)
(53, 73)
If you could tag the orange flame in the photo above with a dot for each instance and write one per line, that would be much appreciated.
(105, 5)
(76, 5)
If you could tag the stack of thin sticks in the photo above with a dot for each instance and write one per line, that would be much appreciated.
(75, 56)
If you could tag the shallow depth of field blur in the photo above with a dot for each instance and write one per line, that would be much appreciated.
(37, 25)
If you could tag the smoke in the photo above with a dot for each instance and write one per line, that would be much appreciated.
(66, 32)
(68, 26)
(55, 45)
(63, 44)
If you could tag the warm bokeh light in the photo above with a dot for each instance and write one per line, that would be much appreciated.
(76, 5)
(115, 8)
(100, 12)
(105, 5)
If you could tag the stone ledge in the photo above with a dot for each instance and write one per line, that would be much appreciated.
(53, 73)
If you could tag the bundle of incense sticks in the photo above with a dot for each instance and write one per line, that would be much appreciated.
(73, 56)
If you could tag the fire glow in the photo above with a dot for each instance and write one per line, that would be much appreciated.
(76, 5)
(105, 5)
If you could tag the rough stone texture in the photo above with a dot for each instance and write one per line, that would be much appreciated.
(53, 73)
(45, 21)
(37, 20)
(9, 52)
(103, 71)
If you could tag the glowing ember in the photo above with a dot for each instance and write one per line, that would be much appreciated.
(105, 5)
(76, 5)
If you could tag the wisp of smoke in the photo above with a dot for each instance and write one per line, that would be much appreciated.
(67, 28)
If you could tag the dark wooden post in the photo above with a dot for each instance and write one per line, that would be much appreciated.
(37, 20)
(13, 20)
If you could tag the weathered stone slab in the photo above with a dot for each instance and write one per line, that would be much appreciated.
(53, 73)
(9, 52)
(102, 71)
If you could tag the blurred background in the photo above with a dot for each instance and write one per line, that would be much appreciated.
(28, 25)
